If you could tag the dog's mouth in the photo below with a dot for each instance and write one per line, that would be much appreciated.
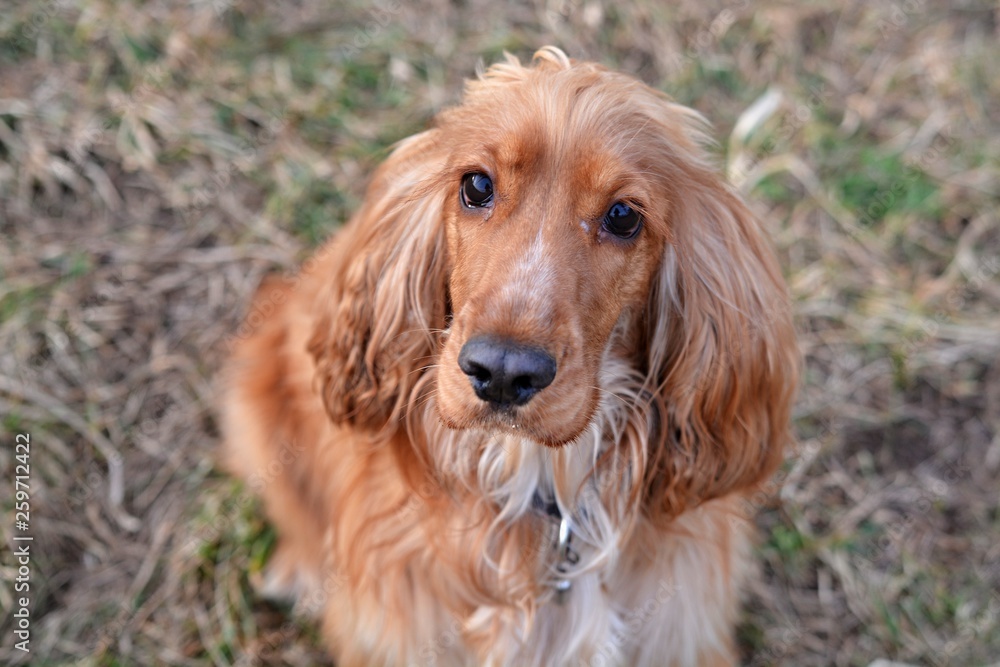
(504, 419)
(514, 421)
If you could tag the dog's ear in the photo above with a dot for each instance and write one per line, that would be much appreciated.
(722, 357)
(385, 304)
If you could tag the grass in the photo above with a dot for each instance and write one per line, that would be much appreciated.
(157, 158)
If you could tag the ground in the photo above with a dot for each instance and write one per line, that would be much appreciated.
(157, 158)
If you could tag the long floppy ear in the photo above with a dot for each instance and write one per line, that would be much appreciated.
(381, 309)
(722, 353)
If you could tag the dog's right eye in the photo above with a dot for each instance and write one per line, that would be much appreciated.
(477, 190)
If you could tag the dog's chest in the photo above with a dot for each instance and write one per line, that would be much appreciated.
(577, 615)
(573, 560)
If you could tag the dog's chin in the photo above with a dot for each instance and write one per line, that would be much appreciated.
(475, 415)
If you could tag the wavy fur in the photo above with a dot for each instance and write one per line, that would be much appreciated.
(408, 504)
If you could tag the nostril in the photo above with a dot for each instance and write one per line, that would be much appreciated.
(542, 371)
(523, 383)
(480, 361)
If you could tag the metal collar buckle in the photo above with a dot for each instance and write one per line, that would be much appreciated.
(567, 557)
(566, 554)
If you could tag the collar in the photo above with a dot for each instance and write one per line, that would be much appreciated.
(549, 508)
(566, 554)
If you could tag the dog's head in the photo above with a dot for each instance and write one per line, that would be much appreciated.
(561, 214)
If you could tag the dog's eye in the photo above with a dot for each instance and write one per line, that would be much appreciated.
(622, 220)
(477, 190)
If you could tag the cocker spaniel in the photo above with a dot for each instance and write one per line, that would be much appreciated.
(512, 413)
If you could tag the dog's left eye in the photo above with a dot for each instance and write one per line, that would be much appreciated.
(477, 190)
(622, 220)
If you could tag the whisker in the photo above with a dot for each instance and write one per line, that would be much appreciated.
(429, 331)
(424, 400)
(608, 392)
(423, 369)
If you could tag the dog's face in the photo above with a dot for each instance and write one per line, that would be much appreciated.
(561, 212)
(556, 222)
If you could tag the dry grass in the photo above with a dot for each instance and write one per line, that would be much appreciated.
(157, 158)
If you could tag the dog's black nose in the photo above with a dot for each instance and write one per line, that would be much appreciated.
(505, 373)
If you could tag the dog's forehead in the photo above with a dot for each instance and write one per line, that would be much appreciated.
(561, 117)
(588, 116)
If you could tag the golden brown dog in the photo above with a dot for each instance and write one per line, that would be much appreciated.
(511, 412)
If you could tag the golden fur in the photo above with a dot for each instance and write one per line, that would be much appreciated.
(405, 504)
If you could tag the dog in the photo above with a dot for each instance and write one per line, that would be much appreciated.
(512, 413)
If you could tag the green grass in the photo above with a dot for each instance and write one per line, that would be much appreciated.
(144, 49)
(790, 546)
(881, 185)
